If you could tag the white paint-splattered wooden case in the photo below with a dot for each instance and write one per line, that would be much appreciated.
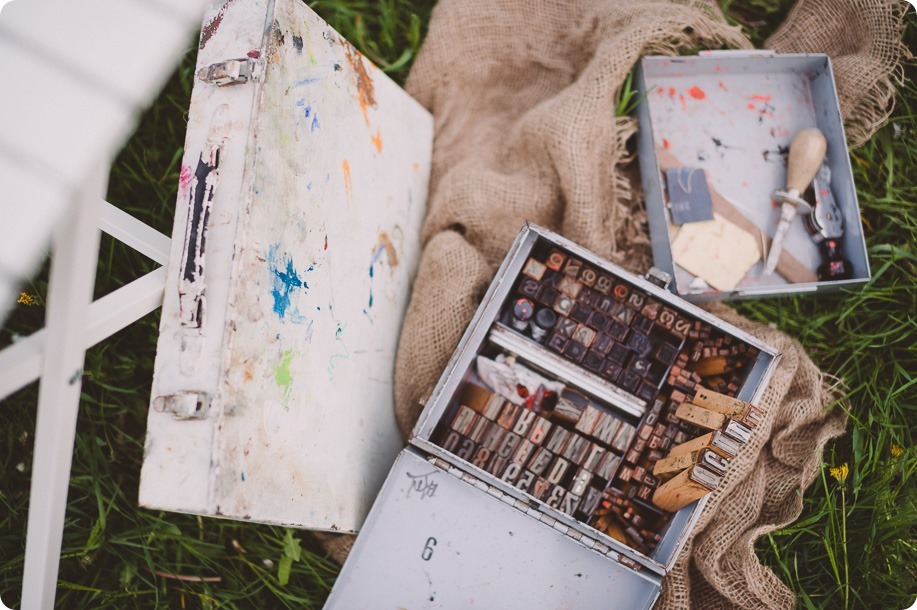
(296, 239)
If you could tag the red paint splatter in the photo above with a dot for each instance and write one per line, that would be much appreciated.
(660, 90)
(722, 86)
(719, 69)
(212, 26)
(671, 91)
(751, 106)
(684, 104)
(666, 144)
(697, 93)
(254, 53)
(744, 183)
(761, 98)
(326, 242)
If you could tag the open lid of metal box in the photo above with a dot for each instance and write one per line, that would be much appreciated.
(296, 240)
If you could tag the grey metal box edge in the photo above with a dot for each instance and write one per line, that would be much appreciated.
(828, 119)
(422, 448)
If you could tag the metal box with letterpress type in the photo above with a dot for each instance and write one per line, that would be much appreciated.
(529, 478)
(715, 147)
(296, 238)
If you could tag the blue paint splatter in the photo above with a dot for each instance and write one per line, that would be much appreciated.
(243, 477)
(372, 263)
(309, 187)
(314, 125)
(284, 282)
(338, 336)
(307, 81)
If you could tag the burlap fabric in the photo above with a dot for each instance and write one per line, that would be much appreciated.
(523, 94)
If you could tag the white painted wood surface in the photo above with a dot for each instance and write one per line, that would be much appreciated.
(310, 250)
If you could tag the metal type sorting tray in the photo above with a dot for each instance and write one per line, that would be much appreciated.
(733, 114)
(462, 519)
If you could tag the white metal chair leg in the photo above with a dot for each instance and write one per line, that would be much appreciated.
(73, 266)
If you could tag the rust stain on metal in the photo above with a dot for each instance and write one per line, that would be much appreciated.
(365, 90)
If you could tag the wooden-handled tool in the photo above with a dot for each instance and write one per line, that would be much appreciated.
(807, 151)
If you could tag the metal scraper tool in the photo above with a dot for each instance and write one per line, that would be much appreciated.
(807, 151)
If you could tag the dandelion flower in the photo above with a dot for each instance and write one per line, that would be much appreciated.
(897, 450)
(26, 299)
(840, 472)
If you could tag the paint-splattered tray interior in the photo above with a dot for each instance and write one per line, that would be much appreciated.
(733, 115)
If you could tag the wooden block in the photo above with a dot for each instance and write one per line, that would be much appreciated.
(695, 444)
(713, 460)
(476, 397)
(752, 417)
(725, 445)
(672, 465)
(728, 406)
(700, 417)
(715, 365)
(737, 430)
(588, 419)
(689, 485)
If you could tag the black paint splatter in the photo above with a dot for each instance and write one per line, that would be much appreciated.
(297, 43)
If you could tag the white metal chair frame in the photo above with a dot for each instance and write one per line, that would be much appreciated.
(73, 324)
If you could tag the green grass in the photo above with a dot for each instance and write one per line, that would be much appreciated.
(852, 547)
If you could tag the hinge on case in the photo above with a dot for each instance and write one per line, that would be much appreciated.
(659, 277)
(230, 72)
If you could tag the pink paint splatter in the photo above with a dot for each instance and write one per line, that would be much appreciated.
(719, 69)
(684, 103)
(697, 93)
(254, 53)
(751, 106)
(671, 91)
(666, 144)
(722, 86)
(184, 178)
(760, 98)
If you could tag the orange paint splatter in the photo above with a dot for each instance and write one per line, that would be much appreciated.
(722, 86)
(684, 104)
(347, 186)
(761, 98)
(365, 90)
(386, 243)
(751, 106)
(697, 93)
(671, 91)
(415, 167)
(377, 140)
(666, 144)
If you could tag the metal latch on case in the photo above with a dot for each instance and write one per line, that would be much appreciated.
(230, 72)
(659, 277)
(184, 405)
